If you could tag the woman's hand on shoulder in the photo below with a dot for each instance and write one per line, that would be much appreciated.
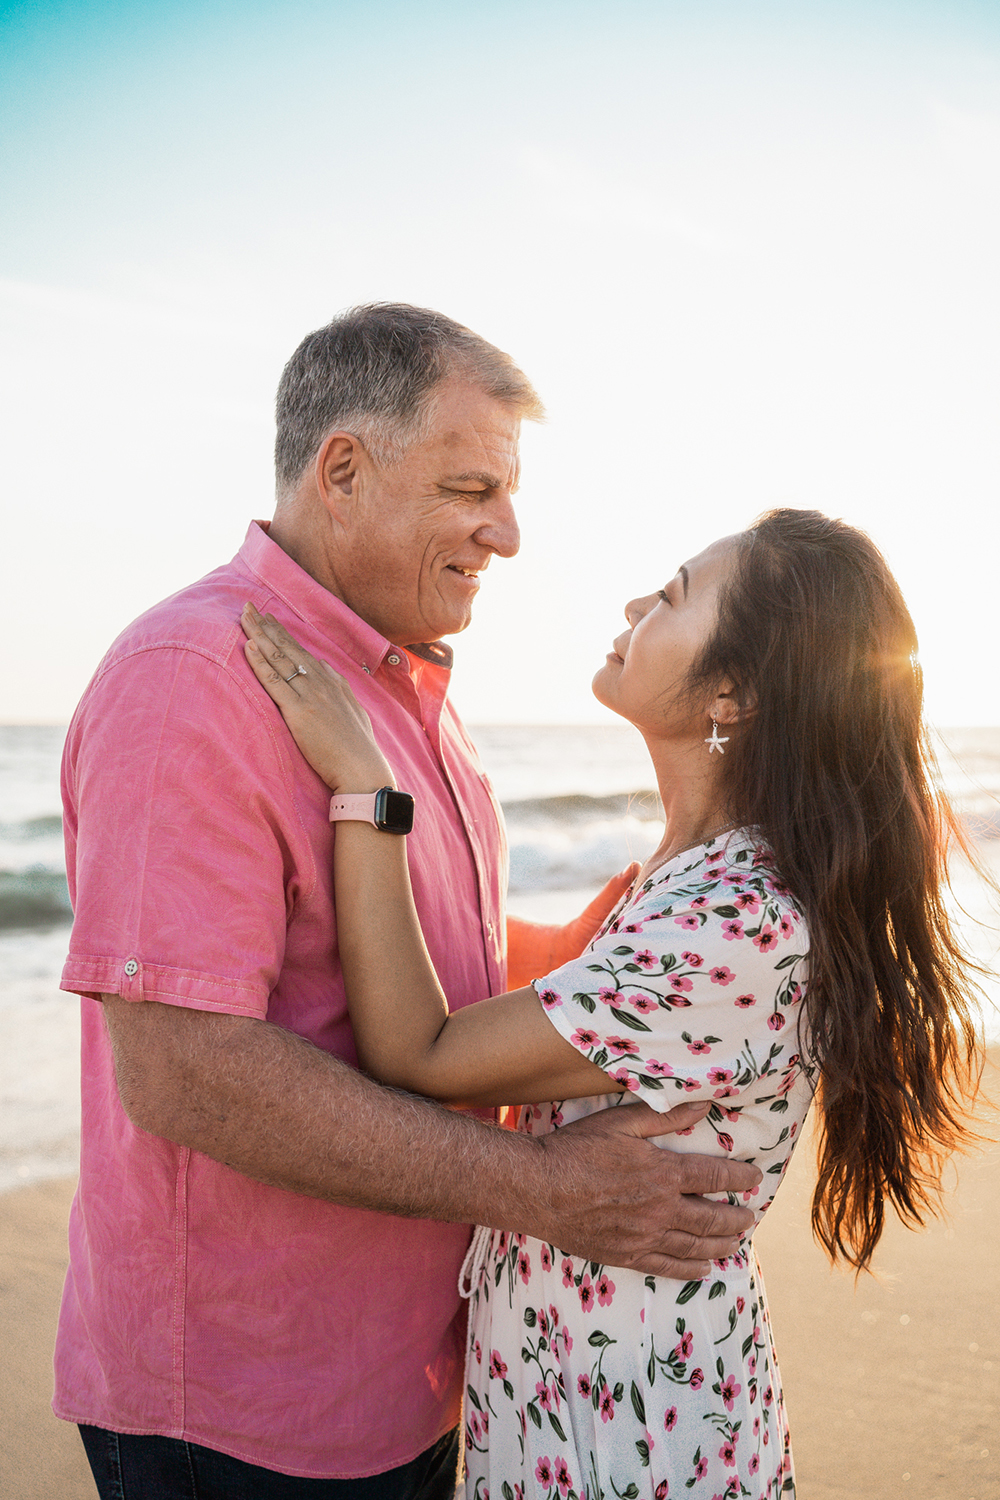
(326, 720)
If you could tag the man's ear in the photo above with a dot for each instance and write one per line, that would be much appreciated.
(336, 472)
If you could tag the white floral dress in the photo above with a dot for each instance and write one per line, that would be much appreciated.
(587, 1381)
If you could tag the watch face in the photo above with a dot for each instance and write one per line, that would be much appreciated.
(393, 811)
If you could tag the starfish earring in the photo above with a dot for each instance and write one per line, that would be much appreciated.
(717, 740)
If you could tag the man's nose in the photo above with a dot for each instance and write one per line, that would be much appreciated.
(499, 529)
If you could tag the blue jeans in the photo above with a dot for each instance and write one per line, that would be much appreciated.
(160, 1468)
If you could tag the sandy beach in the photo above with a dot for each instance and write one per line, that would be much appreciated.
(893, 1387)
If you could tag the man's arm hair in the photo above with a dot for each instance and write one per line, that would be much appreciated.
(272, 1106)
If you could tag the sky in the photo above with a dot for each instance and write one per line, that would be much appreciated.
(747, 252)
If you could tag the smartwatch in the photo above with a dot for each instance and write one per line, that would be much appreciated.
(387, 809)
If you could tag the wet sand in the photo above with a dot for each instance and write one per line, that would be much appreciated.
(893, 1387)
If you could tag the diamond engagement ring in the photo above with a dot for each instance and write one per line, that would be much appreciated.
(299, 672)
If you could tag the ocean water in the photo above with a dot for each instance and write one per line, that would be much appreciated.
(578, 804)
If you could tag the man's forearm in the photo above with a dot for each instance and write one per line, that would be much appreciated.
(271, 1105)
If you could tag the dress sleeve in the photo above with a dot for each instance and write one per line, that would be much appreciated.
(694, 992)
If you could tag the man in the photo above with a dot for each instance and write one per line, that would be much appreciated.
(237, 1320)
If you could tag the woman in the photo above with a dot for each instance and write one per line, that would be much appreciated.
(787, 934)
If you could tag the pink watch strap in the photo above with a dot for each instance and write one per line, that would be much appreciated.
(353, 807)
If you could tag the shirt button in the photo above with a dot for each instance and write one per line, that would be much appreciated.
(131, 967)
(366, 669)
(393, 660)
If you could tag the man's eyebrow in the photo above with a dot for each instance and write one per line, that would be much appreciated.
(476, 476)
(682, 570)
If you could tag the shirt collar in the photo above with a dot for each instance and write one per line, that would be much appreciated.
(322, 610)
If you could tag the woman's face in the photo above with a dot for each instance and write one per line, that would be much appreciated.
(667, 631)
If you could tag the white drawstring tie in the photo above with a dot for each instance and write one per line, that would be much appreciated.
(475, 1260)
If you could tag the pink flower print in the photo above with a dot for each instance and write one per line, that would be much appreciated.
(693, 960)
(643, 1004)
(776, 1021)
(662, 1490)
(605, 1289)
(689, 921)
(543, 1323)
(554, 1315)
(557, 1117)
(756, 1426)
(502, 1243)
(729, 1390)
(701, 1468)
(583, 1384)
(564, 1478)
(543, 1472)
(606, 1405)
(567, 1270)
(680, 982)
(623, 1076)
(690, 1086)
(697, 1379)
(546, 1258)
(740, 1304)
(699, 1048)
(719, 1075)
(732, 928)
(700, 901)
(497, 1367)
(745, 1001)
(727, 1093)
(746, 901)
(474, 1426)
(724, 1140)
(621, 1046)
(786, 927)
(658, 1069)
(684, 1348)
(728, 1454)
(721, 975)
(632, 927)
(607, 996)
(752, 1365)
(549, 999)
(524, 1266)
(670, 1418)
(646, 959)
(477, 1350)
(585, 1291)
(787, 1083)
(518, 1492)
(584, 1039)
(766, 938)
(768, 1396)
(567, 1339)
(754, 1463)
(544, 1395)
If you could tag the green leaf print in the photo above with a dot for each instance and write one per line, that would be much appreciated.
(535, 1415)
(624, 1018)
(690, 1289)
(556, 1426)
(597, 1339)
(717, 1289)
(642, 1448)
(530, 1317)
(638, 1405)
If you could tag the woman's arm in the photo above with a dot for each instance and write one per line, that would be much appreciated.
(500, 1051)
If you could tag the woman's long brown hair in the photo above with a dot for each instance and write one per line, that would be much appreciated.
(832, 763)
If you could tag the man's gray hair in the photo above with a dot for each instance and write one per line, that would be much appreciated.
(372, 372)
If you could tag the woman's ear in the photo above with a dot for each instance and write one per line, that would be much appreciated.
(726, 707)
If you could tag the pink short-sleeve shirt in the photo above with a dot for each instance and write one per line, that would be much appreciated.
(308, 1338)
